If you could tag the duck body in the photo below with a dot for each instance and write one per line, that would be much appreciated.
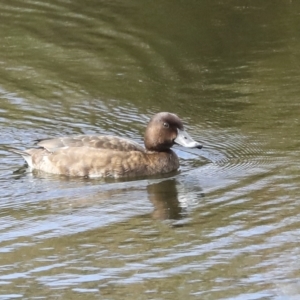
(111, 156)
(99, 156)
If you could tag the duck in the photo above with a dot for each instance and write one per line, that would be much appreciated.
(112, 156)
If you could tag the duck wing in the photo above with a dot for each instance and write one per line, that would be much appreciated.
(108, 142)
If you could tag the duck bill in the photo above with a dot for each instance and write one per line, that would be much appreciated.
(185, 140)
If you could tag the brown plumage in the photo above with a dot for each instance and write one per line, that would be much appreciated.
(110, 156)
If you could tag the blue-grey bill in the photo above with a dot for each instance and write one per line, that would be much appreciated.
(185, 140)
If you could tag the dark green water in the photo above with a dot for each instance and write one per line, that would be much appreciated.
(227, 225)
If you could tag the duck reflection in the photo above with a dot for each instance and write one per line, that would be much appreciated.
(170, 199)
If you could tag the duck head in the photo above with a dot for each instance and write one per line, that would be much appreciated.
(166, 129)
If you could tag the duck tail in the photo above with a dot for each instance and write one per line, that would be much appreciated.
(27, 156)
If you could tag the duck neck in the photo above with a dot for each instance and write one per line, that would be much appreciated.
(162, 162)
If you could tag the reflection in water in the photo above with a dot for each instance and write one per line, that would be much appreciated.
(164, 196)
(172, 199)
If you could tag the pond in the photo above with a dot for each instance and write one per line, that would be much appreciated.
(226, 225)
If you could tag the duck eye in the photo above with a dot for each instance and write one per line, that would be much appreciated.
(166, 125)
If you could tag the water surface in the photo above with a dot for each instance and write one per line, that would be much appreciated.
(226, 226)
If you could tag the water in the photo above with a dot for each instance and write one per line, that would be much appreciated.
(227, 225)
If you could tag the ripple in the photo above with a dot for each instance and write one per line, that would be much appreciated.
(234, 153)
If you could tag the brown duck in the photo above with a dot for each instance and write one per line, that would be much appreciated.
(111, 156)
